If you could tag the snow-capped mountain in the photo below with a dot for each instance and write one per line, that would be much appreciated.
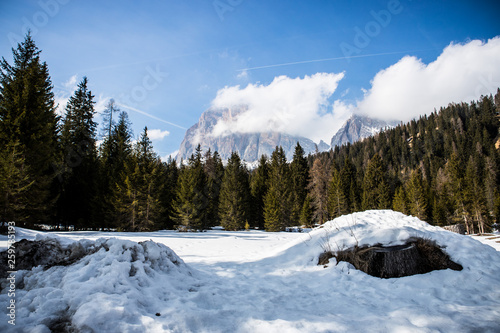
(250, 146)
(357, 128)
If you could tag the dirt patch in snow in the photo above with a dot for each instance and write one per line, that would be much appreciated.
(47, 253)
(416, 256)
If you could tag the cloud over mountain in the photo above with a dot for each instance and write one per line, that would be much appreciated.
(405, 90)
(296, 106)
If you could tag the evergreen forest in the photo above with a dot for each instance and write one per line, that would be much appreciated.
(442, 168)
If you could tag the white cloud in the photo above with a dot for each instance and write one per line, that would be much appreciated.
(409, 88)
(405, 90)
(157, 134)
(71, 84)
(61, 97)
(243, 75)
(299, 106)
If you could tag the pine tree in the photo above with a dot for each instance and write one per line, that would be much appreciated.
(318, 190)
(168, 178)
(350, 186)
(474, 193)
(115, 155)
(307, 213)
(79, 187)
(148, 186)
(29, 122)
(300, 178)
(214, 171)
(234, 195)
(441, 203)
(14, 183)
(457, 192)
(337, 201)
(400, 202)
(258, 188)
(375, 188)
(277, 202)
(490, 185)
(417, 199)
(137, 198)
(190, 205)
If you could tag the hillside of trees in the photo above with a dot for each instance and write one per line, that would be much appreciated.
(442, 168)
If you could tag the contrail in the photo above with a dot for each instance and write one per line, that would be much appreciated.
(326, 59)
(150, 115)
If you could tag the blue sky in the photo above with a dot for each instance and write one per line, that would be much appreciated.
(165, 61)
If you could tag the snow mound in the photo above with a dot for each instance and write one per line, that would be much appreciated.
(386, 228)
(274, 285)
(115, 288)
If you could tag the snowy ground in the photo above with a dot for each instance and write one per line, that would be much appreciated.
(259, 282)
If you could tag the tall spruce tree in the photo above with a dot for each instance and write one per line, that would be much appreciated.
(417, 199)
(190, 205)
(299, 170)
(258, 190)
(307, 213)
(475, 194)
(214, 171)
(115, 155)
(349, 186)
(14, 183)
(375, 188)
(337, 198)
(79, 187)
(234, 195)
(400, 201)
(277, 202)
(28, 122)
(168, 180)
(456, 188)
(137, 198)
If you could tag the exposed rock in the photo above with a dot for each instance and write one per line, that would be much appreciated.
(250, 146)
(358, 128)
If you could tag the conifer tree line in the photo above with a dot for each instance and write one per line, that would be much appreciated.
(442, 168)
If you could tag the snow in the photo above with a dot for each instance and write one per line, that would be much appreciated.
(253, 281)
(492, 240)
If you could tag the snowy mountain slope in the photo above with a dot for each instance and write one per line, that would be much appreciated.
(263, 282)
(357, 128)
(250, 146)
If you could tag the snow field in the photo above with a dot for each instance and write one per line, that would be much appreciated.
(260, 282)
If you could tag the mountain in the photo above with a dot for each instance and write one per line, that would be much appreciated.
(250, 146)
(357, 128)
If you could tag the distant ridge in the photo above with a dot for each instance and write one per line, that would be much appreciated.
(357, 128)
(251, 146)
